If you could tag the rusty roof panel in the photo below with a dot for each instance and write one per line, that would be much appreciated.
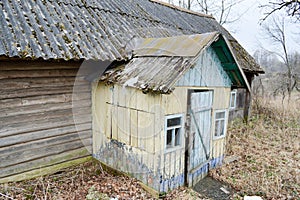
(184, 45)
(94, 29)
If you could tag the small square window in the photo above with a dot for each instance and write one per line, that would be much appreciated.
(173, 131)
(220, 124)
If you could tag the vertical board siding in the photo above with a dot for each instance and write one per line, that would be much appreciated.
(140, 120)
(42, 122)
(208, 72)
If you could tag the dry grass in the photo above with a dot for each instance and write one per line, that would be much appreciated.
(268, 147)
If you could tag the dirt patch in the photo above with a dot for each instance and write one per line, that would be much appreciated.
(213, 189)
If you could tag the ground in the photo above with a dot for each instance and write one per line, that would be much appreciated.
(86, 181)
(264, 155)
(267, 151)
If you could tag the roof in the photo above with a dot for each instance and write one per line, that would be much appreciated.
(98, 30)
(156, 66)
(184, 45)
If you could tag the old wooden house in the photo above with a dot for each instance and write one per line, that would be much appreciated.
(166, 110)
(52, 55)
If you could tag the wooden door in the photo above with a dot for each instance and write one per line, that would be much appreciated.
(199, 138)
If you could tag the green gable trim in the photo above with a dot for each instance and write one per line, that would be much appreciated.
(228, 62)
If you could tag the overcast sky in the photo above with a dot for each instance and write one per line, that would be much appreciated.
(248, 31)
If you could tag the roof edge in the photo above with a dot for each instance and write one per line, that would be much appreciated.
(182, 9)
(237, 63)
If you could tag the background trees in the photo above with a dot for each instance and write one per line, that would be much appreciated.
(291, 7)
(221, 10)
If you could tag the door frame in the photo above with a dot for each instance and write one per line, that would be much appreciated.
(187, 129)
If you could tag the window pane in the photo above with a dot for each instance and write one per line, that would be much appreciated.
(220, 115)
(232, 100)
(222, 125)
(174, 122)
(177, 136)
(217, 128)
(169, 138)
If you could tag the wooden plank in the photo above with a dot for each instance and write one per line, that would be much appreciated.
(108, 124)
(23, 83)
(40, 163)
(123, 121)
(41, 143)
(37, 153)
(10, 120)
(146, 131)
(114, 122)
(133, 98)
(46, 170)
(142, 101)
(39, 125)
(41, 134)
(43, 99)
(31, 92)
(134, 128)
(99, 110)
(16, 65)
(32, 109)
(122, 92)
(38, 73)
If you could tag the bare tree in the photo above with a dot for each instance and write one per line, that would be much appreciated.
(288, 79)
(292, 8)
(221, 10)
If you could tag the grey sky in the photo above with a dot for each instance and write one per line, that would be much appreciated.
(248, 31)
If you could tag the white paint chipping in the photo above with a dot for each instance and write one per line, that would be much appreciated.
(131, 82)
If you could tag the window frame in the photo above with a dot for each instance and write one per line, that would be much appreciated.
(230, 100)
(220, 119)
(181, 126)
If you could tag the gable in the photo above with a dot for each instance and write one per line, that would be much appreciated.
(207, 72)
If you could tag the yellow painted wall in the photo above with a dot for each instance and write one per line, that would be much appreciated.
(137, 119)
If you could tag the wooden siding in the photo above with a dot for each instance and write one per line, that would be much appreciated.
(37, 127)
(129, 132)
(136, 121)
(208, 72)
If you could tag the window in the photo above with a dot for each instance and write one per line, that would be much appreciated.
(232, 99)
(173, 131)
(220, 124)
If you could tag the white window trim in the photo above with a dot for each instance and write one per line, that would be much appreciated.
(167, 150)
(225, 124)
(231, 94)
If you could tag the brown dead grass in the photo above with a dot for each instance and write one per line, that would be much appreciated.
(268, 147)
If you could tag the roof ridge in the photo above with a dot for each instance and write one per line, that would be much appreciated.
(181, 9)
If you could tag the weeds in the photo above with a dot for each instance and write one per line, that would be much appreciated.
(269, 149)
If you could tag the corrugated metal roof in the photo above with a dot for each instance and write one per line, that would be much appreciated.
(185, 45)
(94, 29)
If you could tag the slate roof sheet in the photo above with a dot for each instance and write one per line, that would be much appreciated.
(98, 30)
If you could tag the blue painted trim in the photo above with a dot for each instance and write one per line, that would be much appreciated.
(216, 162)
(172, 183)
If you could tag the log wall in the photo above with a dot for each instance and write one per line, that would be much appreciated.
(37, 128)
